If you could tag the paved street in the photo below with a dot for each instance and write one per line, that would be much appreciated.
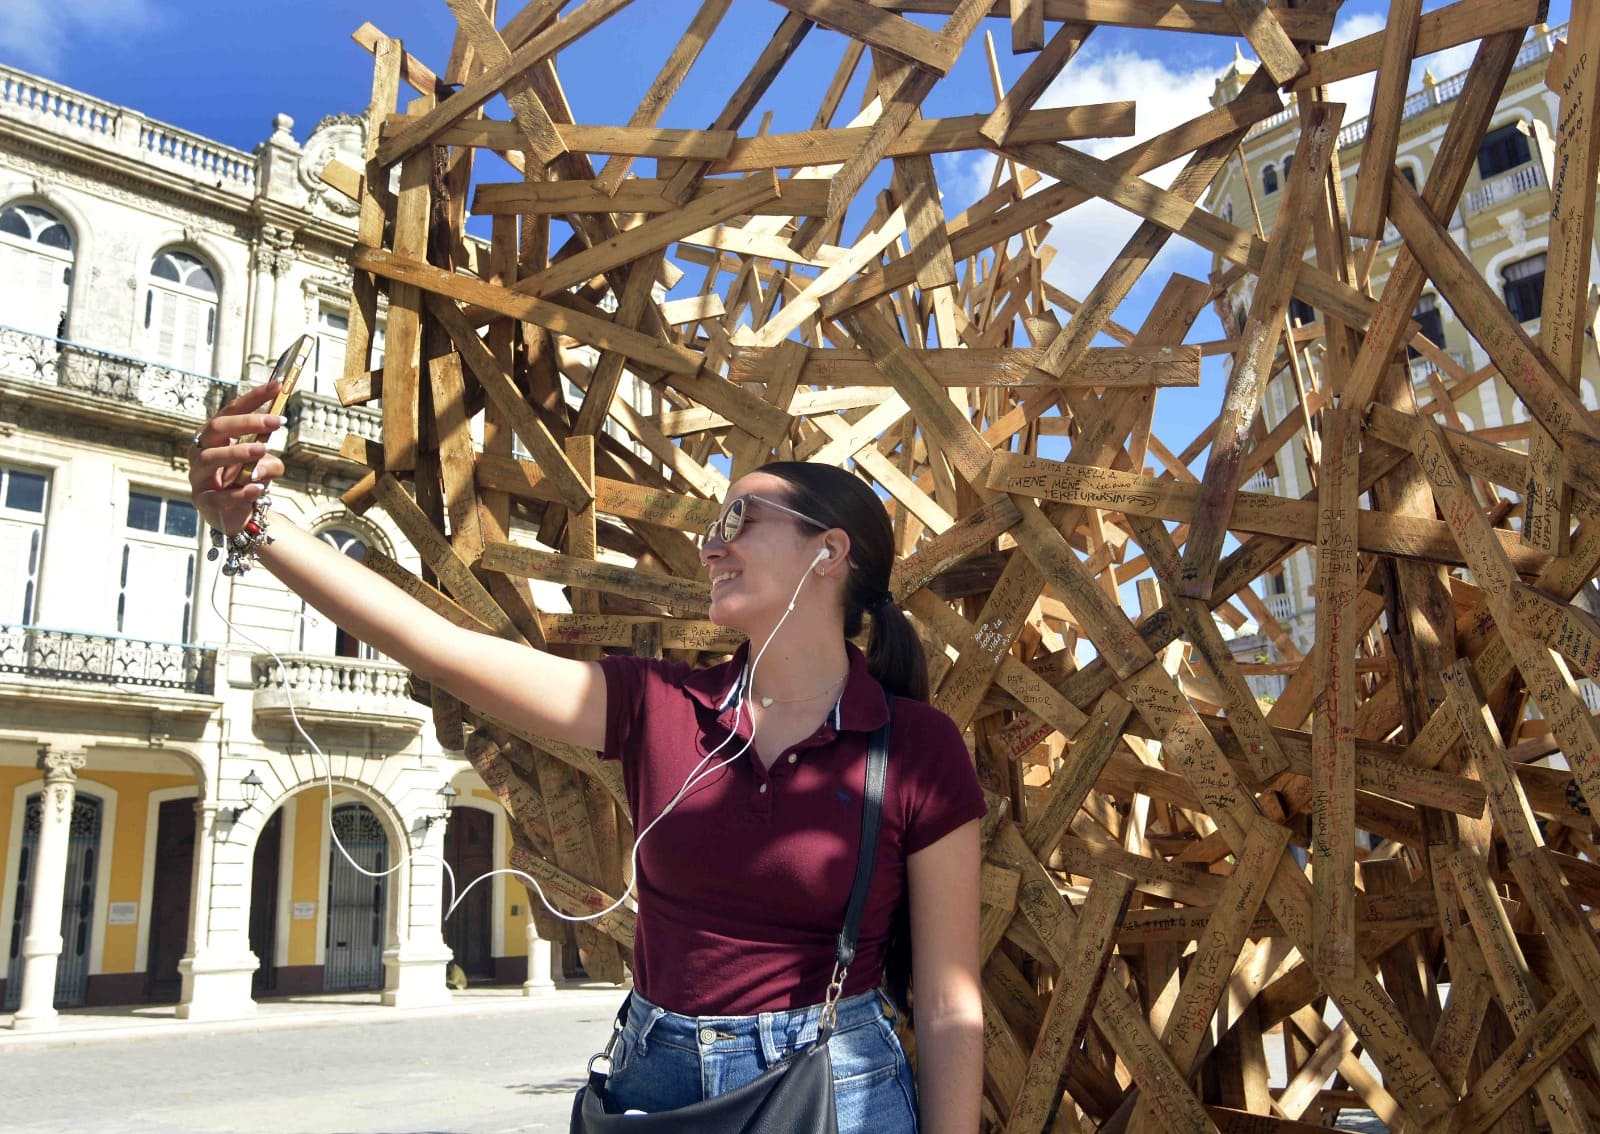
(512, 1066)
(474, 1074)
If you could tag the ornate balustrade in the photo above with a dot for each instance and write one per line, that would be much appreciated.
(1504, 187)
(322, 422)
(69, 655)
(73, 114)
(1537, 47)
(113, 377)
(334, 691)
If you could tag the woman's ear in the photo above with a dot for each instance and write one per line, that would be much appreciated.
(837, 544)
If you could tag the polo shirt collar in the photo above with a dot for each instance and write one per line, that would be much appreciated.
(860, 708)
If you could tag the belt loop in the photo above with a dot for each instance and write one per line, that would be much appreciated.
(655, 1014)
(768, 1038)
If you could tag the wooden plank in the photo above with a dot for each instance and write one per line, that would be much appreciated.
(1449, 26)
(413, 136)
(1091, 747)
(1280, 58)
(508, 400)
(1027, 25)
(1371, 208)
(726, 201)
(796, 195)
(876, 28)
(666, 83)
(403, 342)
(440, 557)
(1075, 995)
(539, 134)
(1406, 536)
(456, 459)
(902, 91)
(1333, 749)
(646, 141)
(542, 313)
(680, 595)
(1101, 367)
(1247, 383)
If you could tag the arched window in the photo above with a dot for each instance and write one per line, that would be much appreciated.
(1524, 287)
(1430, 320)
(36, 262)
(1503, 149)
(1288, 161)
(180, 312)
(1269, 178)
(317, 634)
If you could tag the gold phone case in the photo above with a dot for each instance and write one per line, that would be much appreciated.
(287, 371)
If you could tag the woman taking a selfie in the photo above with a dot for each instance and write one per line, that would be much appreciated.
(743, 884)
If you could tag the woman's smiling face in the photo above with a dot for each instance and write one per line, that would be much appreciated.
(754, 576)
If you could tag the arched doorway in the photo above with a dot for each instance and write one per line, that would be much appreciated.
(170, 894)
(469, 849)
(356, 902)
(264, 905)
(77, 900)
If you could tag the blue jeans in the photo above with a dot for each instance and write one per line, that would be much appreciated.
(664, 1060)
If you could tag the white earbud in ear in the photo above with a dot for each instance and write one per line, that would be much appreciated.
(821, 555)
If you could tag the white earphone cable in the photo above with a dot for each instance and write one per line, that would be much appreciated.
(695, 777)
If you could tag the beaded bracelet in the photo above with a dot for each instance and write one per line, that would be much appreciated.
(245, 544)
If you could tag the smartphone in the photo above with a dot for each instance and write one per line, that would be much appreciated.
(287, 372)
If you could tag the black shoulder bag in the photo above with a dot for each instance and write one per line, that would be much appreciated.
(791, 1097)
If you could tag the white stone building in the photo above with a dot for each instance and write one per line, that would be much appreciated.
(152, 790)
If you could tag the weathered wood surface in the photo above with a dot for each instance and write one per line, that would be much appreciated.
(1391, 866)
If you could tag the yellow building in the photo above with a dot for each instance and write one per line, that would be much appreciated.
(153, 791)
(1502, 222)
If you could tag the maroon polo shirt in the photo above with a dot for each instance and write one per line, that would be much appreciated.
(743, 887)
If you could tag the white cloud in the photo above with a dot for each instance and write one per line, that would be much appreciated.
(40, 35)
(1354, 92)
(1091, 235)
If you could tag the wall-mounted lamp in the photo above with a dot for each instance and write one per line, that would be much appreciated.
(249, 791)
(447, 799)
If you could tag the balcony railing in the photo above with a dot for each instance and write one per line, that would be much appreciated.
(113, 377)
(322, 422)
(335, 690)
(1281, 607)
(106, 659)
(73, 114)
(1504, 187)
(1537, 47)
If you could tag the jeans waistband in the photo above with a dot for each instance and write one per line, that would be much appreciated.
(767, 1031)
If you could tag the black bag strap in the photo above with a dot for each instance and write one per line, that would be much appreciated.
(871, 815)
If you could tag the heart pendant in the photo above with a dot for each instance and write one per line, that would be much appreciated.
(766, 702)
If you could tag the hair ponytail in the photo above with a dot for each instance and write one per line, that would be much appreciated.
(842, 500)
(895, 655)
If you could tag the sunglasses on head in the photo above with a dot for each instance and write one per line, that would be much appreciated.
(728, 526)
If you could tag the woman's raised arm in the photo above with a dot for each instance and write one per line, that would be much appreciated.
(552, 696)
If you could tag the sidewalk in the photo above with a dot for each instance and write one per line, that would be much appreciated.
(117, 1023)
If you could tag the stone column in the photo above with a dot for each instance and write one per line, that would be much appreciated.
(41, 949)
(416, 959)
(540, 953)
(218, 969)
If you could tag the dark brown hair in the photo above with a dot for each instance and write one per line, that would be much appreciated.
(840, 499)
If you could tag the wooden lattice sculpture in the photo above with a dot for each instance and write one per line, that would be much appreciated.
(1172, 869)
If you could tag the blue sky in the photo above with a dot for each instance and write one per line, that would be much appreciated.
(225, 69)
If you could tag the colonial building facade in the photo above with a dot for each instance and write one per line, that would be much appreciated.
(1502, 223)
(165, 833)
